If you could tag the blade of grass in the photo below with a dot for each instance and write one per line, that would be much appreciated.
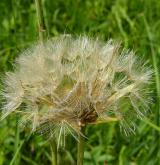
(18, 149)
(121, 156)
(17, 140)
(17, 152)
(30, 161)
(157, 79)
(155, 65)
(151, 124)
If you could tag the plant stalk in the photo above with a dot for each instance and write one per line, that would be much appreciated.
(42, 35)
(17, 141)
(41, 23)
(81, 143)
(54, 152)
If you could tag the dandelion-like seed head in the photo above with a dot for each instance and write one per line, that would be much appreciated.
(66, 83)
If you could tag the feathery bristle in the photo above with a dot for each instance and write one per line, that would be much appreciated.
(69, 82)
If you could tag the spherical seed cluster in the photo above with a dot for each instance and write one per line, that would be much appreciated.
(64, 84)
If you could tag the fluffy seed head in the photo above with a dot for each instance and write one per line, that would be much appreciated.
(68, 82)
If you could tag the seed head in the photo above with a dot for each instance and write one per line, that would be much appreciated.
(66, 83)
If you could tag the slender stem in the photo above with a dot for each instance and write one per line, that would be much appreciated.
(54, 152)
(80, 153)
(42, 31)
(16, 141)
(40, 16)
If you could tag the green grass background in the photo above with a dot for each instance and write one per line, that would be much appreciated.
(136, 23)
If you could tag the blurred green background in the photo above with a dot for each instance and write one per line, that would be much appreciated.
(136, 23)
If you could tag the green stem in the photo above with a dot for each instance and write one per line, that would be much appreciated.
(16, 141)
(40, 16)
(80, 152)
(54, 152)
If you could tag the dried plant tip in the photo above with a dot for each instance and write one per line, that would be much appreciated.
(68, 82)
